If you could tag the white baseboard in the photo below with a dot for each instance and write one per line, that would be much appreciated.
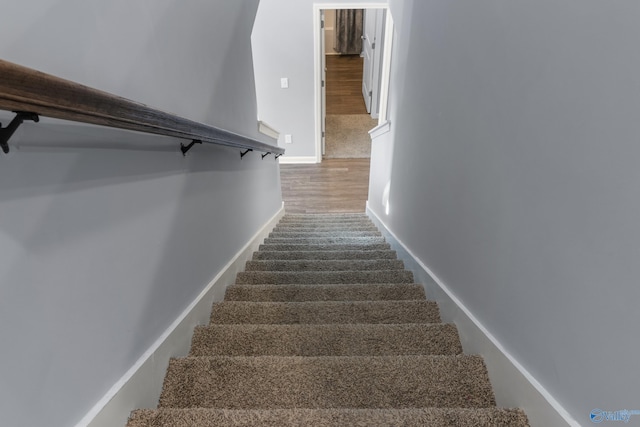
(140, 387)
(380, 130)
(513, 385)
(298, 160)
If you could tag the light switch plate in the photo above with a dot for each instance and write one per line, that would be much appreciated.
(284, 83)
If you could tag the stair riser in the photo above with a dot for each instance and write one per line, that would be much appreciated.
(435, 417)
(300, 293)
(321, 217)
(323, 278)
(325, 227)
(340, 225)
(334, 382)
(337, 340)
(324, 255)
(324, 247)
(322, 234)
(327, 240)
(324, 265)
(318, 313)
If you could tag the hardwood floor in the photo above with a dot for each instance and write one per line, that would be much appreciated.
(335, 185)
(344, 85)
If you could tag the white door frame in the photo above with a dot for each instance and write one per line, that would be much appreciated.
(317, 73)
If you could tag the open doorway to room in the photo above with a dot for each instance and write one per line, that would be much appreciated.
(338, 184)
(353, 52)
(347, 119)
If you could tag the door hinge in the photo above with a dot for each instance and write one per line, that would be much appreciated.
(322, 24)
(323, 83)
(373, 45)
(370, 93)
(323, 134)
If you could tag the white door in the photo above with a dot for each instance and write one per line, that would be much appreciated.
(323, 64)
(368, 46)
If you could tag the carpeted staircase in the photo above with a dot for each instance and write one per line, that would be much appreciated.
(326, 328)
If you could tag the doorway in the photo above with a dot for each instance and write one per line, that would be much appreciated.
(364, 77)
(347, 118)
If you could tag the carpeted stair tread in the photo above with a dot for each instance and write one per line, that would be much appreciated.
(327, 220)
(270, 382)
(300, 293)
(323, 247)
(328, 215)
(326, 340)
(372, 240)
(322, 265)
(322, 234)
(298, 226)
(319, 217)
(323, 277)
(414, 417)
(325, 312)
(324, 255)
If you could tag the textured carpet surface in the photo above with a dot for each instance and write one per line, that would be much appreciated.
(326, 340)
(301, 293)
(329, 240)
(323, 277)
(324, 255)
(335, 265)
(326, 328)
(269, 382)
(301, 226)
(325, 312)
(430, 417)
(347, 135)
(324, 247)
(341, 233)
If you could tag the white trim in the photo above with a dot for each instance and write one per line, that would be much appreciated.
(317, 80)
(317, 77)
(385, 75)
(265, 129)
(513, 385)
(141, 385)
(298, 160)
(380, 130)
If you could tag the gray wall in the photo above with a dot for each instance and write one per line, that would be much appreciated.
(514, 177)
(282, 43)
(190, 57)
(101, 249)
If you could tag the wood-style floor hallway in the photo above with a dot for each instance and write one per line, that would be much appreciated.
(335, 185)
(344, 84)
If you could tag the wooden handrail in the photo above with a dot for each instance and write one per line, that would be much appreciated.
(28, 90)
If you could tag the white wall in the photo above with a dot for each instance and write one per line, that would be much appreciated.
(282, 43)
(514, 178)
(102, 248)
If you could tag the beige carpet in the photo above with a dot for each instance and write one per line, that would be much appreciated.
(326, 328)
(347, 136)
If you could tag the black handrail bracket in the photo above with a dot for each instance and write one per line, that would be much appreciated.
(7, 132)
(185, 148)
